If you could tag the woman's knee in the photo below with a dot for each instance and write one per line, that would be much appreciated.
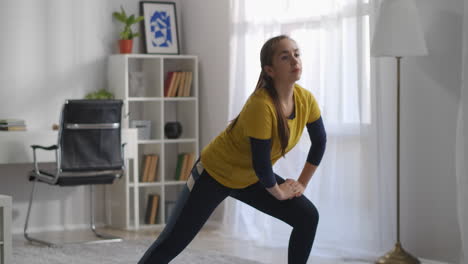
(308, 216)
(312, 215)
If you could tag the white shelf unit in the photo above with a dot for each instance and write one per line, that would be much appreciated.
(149, 103)
(5, 230)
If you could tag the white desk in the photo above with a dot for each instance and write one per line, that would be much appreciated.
(15, 146)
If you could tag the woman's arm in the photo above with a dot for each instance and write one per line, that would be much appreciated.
(261, 152)
(318, 138)
(306, 174)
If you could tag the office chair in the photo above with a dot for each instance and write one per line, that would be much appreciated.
(89, 152)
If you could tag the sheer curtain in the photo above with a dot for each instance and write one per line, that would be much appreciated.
(352, 189)
(462, 146)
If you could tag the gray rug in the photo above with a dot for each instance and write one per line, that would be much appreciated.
(125, 252)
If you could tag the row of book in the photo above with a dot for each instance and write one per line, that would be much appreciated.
(149, 173)
(152, 209)
(178, 84)
(12, 125)
(185, 163)
(149, 168)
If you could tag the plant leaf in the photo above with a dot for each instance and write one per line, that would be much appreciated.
(138, 19)
(119, 17)
(123, 12)
(131, 20)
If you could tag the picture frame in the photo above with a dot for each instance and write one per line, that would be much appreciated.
(160, 32)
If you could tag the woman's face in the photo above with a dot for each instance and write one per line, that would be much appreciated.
(286, 62)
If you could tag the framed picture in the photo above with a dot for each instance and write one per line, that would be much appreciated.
(160, 27)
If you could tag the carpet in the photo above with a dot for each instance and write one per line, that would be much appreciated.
(126, 252)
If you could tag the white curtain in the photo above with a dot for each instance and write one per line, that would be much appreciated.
(462, 146)
(353, 188)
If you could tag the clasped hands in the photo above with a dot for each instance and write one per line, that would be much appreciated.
(290, 189)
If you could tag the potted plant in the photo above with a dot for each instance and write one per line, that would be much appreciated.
(127, 35)
(100, 95)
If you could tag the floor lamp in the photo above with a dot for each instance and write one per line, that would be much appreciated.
(398, 34)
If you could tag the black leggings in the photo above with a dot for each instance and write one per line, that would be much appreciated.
(194, 207)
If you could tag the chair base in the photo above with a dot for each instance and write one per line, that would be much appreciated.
(61, 239)
(104, 238)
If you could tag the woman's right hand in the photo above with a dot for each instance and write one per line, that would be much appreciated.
(283, 191)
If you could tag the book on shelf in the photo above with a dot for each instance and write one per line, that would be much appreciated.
(188, 84)
(149, 168)
(152, 209)
(184, 166)
(153, 169)
(167, 82)
(180, 89)
(178, 84)
(180, 160)
(189, 165)
(174, 83)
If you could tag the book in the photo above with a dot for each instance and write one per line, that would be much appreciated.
(13, 128)
(184, 167)
(170, 89)
(188, 84)
(145, 168)
(12, 122)
(12, 125)
(148, 209)
(180, 89)
(189, 166)
(152, 209)
(153, 171)
(180, 160)
(167, 82)
(173, 88)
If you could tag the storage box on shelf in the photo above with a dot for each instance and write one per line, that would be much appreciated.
(156, 90)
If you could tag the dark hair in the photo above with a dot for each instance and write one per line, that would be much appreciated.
(266, 82)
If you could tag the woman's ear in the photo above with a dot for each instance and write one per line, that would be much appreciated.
(269, 71)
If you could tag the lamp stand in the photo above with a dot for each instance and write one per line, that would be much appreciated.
(398, 255)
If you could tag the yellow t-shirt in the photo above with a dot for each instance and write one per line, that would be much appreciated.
(228, 158)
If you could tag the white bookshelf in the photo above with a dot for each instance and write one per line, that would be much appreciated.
(149, 103)
(5, 230)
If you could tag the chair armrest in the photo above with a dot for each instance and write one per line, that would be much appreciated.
(34, 147)
(36, 164)
(124, 168)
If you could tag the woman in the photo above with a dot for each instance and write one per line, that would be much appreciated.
(238, 163)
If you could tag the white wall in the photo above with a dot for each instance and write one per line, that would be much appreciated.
(430, 94)
(206, 31)
(206, 34)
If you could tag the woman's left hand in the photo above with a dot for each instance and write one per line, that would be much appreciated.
(297, 187)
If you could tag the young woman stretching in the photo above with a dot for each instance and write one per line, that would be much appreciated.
(238, 162)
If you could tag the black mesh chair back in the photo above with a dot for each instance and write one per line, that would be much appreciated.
(90, 135)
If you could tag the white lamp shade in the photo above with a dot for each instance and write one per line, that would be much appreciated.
(398, 31)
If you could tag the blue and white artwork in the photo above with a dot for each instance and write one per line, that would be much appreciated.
(160, 27)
